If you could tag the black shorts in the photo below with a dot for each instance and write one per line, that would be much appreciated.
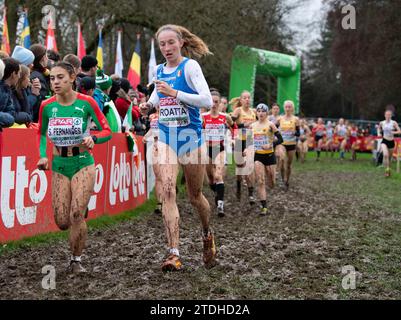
(317, 138)
(267, 159)
(291, 147)
(388, 143)
(213, 151)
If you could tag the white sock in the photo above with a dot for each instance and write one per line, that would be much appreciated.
(76, 258)
(174, 251)
(220, 203)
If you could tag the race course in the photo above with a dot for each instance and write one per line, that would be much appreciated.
(334, 215)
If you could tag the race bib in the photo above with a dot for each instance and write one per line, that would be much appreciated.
(173, 113)
(260, 140)
(288, 135)
(65, 131)
(215, 132)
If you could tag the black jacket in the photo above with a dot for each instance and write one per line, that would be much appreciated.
(23, 110)
(44, 91)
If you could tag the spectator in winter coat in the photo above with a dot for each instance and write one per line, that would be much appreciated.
(41, 72)
(32, 91)
(22, 106)
(9, 79)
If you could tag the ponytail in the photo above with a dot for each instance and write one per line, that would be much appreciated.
(193, 46)
(235, 103)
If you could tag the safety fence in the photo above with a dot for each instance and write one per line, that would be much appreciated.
(26, 195)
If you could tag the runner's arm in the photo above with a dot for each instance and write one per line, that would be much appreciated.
(229, 121)
(397, 128)
(42, 132)
(279, 139)
(196, 80)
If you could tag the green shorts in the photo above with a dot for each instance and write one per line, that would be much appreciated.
(69, 166)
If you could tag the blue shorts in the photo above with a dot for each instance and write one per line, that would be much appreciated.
(182, 140)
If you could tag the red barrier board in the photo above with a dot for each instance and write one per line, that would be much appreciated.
(25, 202)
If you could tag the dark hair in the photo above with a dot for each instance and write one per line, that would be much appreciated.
(73, 59)
(66, 66)
(391, 108)
(275, 104)
(88, 62)
(116, 85)
(11, 66)
(125, 84)
(86, 84)
(39, 52)
(53, 55)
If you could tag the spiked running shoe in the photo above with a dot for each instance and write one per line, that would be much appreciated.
(263, 211)
(220, 211)
(209, 251)
(387, 173)
(172, 263)
(158, 209)
(76, 267)
(252, 200)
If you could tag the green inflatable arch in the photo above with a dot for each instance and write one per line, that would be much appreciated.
(248, 62)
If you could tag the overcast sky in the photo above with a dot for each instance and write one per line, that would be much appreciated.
(306, 19)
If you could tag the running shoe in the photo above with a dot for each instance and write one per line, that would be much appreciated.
(76, 267)
(220, 210)
(263, 211)
(172, 263)
(286, 186)
(387, 173)
(252, 200)
(209, 251)
(158, 209)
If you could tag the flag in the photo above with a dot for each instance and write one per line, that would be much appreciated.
(26, 33)
(99, 54)
(81, 51)
(118, 69)
(5, 43)
(134, 72)
(50, 37)
(131, 137)
(152, 62)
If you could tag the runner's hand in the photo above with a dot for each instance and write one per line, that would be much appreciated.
(43, 164)
(163, 88)
(266, 146)
(88, 142)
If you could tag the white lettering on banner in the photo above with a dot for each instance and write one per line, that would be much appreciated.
(20, 181)
(121, 177)
(98, 186)
(138, 177)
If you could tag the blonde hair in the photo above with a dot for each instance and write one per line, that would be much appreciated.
(289, 102)
(236, 102)
(193, 45)
(25, 72)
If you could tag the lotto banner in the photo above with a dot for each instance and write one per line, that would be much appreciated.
(26, 204)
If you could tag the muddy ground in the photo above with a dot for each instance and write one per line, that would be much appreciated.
(296, 252)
